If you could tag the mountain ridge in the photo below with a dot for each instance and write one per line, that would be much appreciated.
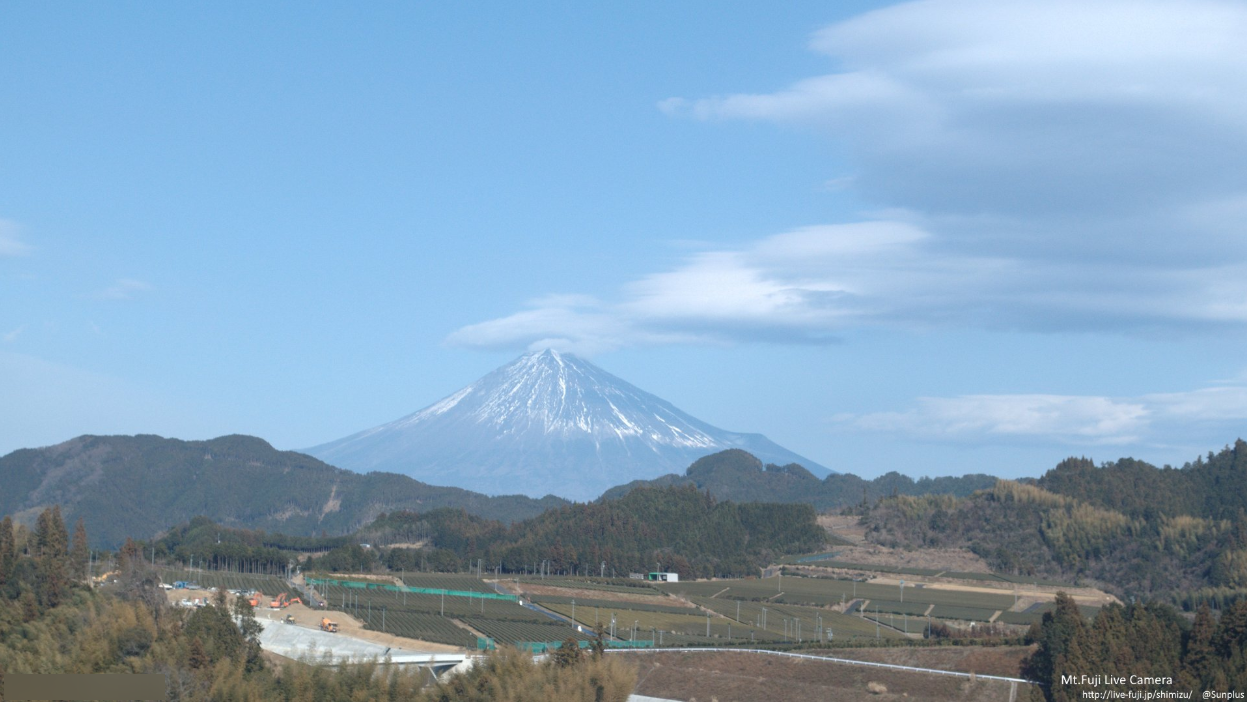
(545, 423)
(237, 480)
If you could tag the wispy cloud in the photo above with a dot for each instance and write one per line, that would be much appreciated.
(1071, 419)
(124, 289)
(1043, 166)
(10, 243)
(13, 335)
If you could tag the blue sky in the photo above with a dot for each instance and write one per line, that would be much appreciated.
(935, 237)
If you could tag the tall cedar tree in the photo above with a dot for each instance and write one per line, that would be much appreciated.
(8, 550)
(79, 554)
(52, 541)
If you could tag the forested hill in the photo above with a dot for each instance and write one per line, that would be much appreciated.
(676, 528)
(736, 475)
(1211, 488)
(136, 486)
(1138, 530)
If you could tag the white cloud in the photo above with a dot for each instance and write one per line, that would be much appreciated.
(1072, 419)
(1044, 166)
(10, 243)
(124, 289)
(13, 335)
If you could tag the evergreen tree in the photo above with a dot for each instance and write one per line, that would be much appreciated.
(1200, 658)
(52, 542)
(79, 555)
(8, 550)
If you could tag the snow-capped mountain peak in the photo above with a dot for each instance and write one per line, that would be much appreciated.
(547, 422)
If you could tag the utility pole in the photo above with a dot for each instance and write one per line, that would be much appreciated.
(573, 611)
(707, 625)
(603, 569)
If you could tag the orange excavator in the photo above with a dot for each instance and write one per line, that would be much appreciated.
(255, 599)
(281, 602)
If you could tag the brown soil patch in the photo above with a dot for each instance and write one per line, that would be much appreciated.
(984, 660)
(734, 676)
(932, 558)
(350, 626)
(846, 527)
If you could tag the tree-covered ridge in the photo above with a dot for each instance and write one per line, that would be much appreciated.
(1026, 530)
(237, 481)
(675, 528)
(1206, 488)
(738, 476)
(1137, 648)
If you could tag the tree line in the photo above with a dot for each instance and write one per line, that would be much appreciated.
(1137, 647)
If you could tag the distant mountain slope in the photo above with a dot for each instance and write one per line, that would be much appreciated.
(1139, 530)
(547, 423)
(138, 485)
(738, 476)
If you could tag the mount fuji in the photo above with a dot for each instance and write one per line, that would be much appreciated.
(546, 423)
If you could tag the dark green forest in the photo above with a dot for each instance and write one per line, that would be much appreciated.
(1149, 647)
(237, 481)
(678, 528)
(738, 476)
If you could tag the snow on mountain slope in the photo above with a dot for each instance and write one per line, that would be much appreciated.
(546, 423)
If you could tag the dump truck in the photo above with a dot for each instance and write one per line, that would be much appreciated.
(289, 619)
(326, 625)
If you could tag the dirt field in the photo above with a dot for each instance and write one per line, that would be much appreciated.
(310, 618)
(984, 660)
(846, 527)
(934, 558)
(743, 677)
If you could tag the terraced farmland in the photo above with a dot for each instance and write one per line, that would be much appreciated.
(428, 627)
(270, 585)
(827, 591)
(646, 621)
(512, 632)
(913, 609)
(447, 581)
(839, 626)
(969, 614)
(673, 608)
(621, 585)
(452, 606)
